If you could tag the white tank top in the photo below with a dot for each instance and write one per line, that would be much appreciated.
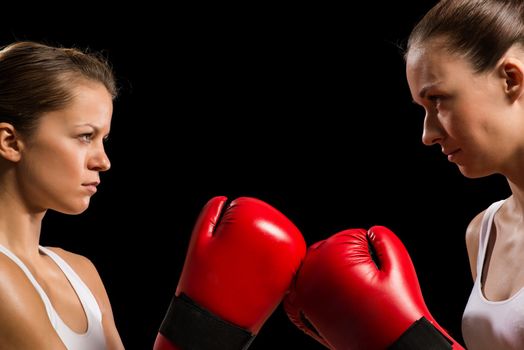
(93, 338)
(492, 325)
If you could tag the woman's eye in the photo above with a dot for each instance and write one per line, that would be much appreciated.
(86, 137)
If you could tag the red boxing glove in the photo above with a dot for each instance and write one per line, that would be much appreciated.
(359, 290)
(239, 265)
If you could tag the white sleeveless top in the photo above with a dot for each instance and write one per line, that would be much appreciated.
(492, 325)
(93, 338)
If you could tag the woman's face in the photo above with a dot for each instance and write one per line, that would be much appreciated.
(468, 114)
(61, 161)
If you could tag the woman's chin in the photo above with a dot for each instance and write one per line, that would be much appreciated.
(471, 173)
(77, 208)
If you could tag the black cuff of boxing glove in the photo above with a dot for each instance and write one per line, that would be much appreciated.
(190, 327)
(422, 335)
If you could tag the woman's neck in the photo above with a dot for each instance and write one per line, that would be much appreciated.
(517, 197)
(19, 228)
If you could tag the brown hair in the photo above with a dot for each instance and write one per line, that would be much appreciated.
(480, 30)
(37, 78)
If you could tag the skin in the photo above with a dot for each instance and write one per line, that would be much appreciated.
(477, 119)
(51, 169)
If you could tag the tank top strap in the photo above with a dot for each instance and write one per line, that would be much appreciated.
(48, 306)
(485, 229)
(93, 338)
(84, 293)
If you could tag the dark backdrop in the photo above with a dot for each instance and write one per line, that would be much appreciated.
(304, 107)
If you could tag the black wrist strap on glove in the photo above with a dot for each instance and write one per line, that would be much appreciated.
(189, 327)
(422, 335)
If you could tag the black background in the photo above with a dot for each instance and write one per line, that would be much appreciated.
(304, 107)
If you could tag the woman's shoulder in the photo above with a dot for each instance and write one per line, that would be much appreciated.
(23, 313)
(12, 277)
(473, 229)
(472, 241)
(80, 264)
(83, 266)
(14, 280)
(87, 272)
(473, 237)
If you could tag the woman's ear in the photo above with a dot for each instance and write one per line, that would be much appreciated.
(512, 70)
(10, 143)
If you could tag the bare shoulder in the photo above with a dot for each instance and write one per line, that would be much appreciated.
(89, 274)
(472, 241)
(15, 286)
(24, 323)
(79, 263)
(86, 270)
(73, 258)
(472, 231)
